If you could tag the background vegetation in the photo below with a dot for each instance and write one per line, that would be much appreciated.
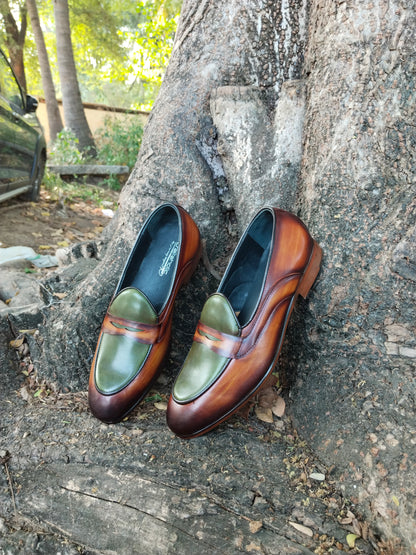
(121, 48)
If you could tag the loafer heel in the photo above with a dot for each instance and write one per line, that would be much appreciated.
(311, 271)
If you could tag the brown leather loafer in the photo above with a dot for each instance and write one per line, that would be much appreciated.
(135, 334)
(242, 325)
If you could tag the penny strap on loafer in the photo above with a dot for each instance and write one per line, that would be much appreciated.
(222, 343)
(144, 333)
(139, 319)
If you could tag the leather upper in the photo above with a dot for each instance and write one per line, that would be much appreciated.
(205, 363)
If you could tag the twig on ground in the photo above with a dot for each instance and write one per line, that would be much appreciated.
(4, 457)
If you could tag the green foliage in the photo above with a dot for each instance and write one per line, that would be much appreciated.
(65, 149)
(122, 59)
(151, 45)
(154, 41)
(67, 192)
(118, 142)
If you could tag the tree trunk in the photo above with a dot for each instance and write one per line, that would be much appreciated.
(74, 114)
(15, 39)
(241, 122)
(52, 108)
(179, 147)
(354, 384)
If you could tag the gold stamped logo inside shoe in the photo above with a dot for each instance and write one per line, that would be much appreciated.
(169, 258)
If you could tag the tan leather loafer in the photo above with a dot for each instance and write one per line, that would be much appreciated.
(135, 334)
(242, 325)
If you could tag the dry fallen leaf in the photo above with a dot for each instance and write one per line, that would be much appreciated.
(24, 393)
(265, 415)
(301, 528)
(395, 500)
(16, 343)
(255, 526)
(279, 406)
(318, 476)
(253, 547)
(267, 397)
(161, 405)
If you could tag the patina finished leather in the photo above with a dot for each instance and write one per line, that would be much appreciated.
(135, 333)
(241, 329)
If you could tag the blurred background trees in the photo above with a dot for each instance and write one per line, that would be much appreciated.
(13, 35)
(121, 48)
(97, 51)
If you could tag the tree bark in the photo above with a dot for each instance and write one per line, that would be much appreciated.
(241, 122)
(15, 39)
(52, 108)
(74, 114)
(353, 394)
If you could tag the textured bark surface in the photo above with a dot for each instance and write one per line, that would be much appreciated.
(242, 121)
(354, 392)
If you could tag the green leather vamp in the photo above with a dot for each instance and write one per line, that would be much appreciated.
(203, 366)
(120, 358)
(218, 314)
(132, 304)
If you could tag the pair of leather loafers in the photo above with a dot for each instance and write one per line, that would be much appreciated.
(240, 332)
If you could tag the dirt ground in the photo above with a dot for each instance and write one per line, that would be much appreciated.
(54, 221)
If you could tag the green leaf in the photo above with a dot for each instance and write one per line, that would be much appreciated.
(154, 398)
(351, 540)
